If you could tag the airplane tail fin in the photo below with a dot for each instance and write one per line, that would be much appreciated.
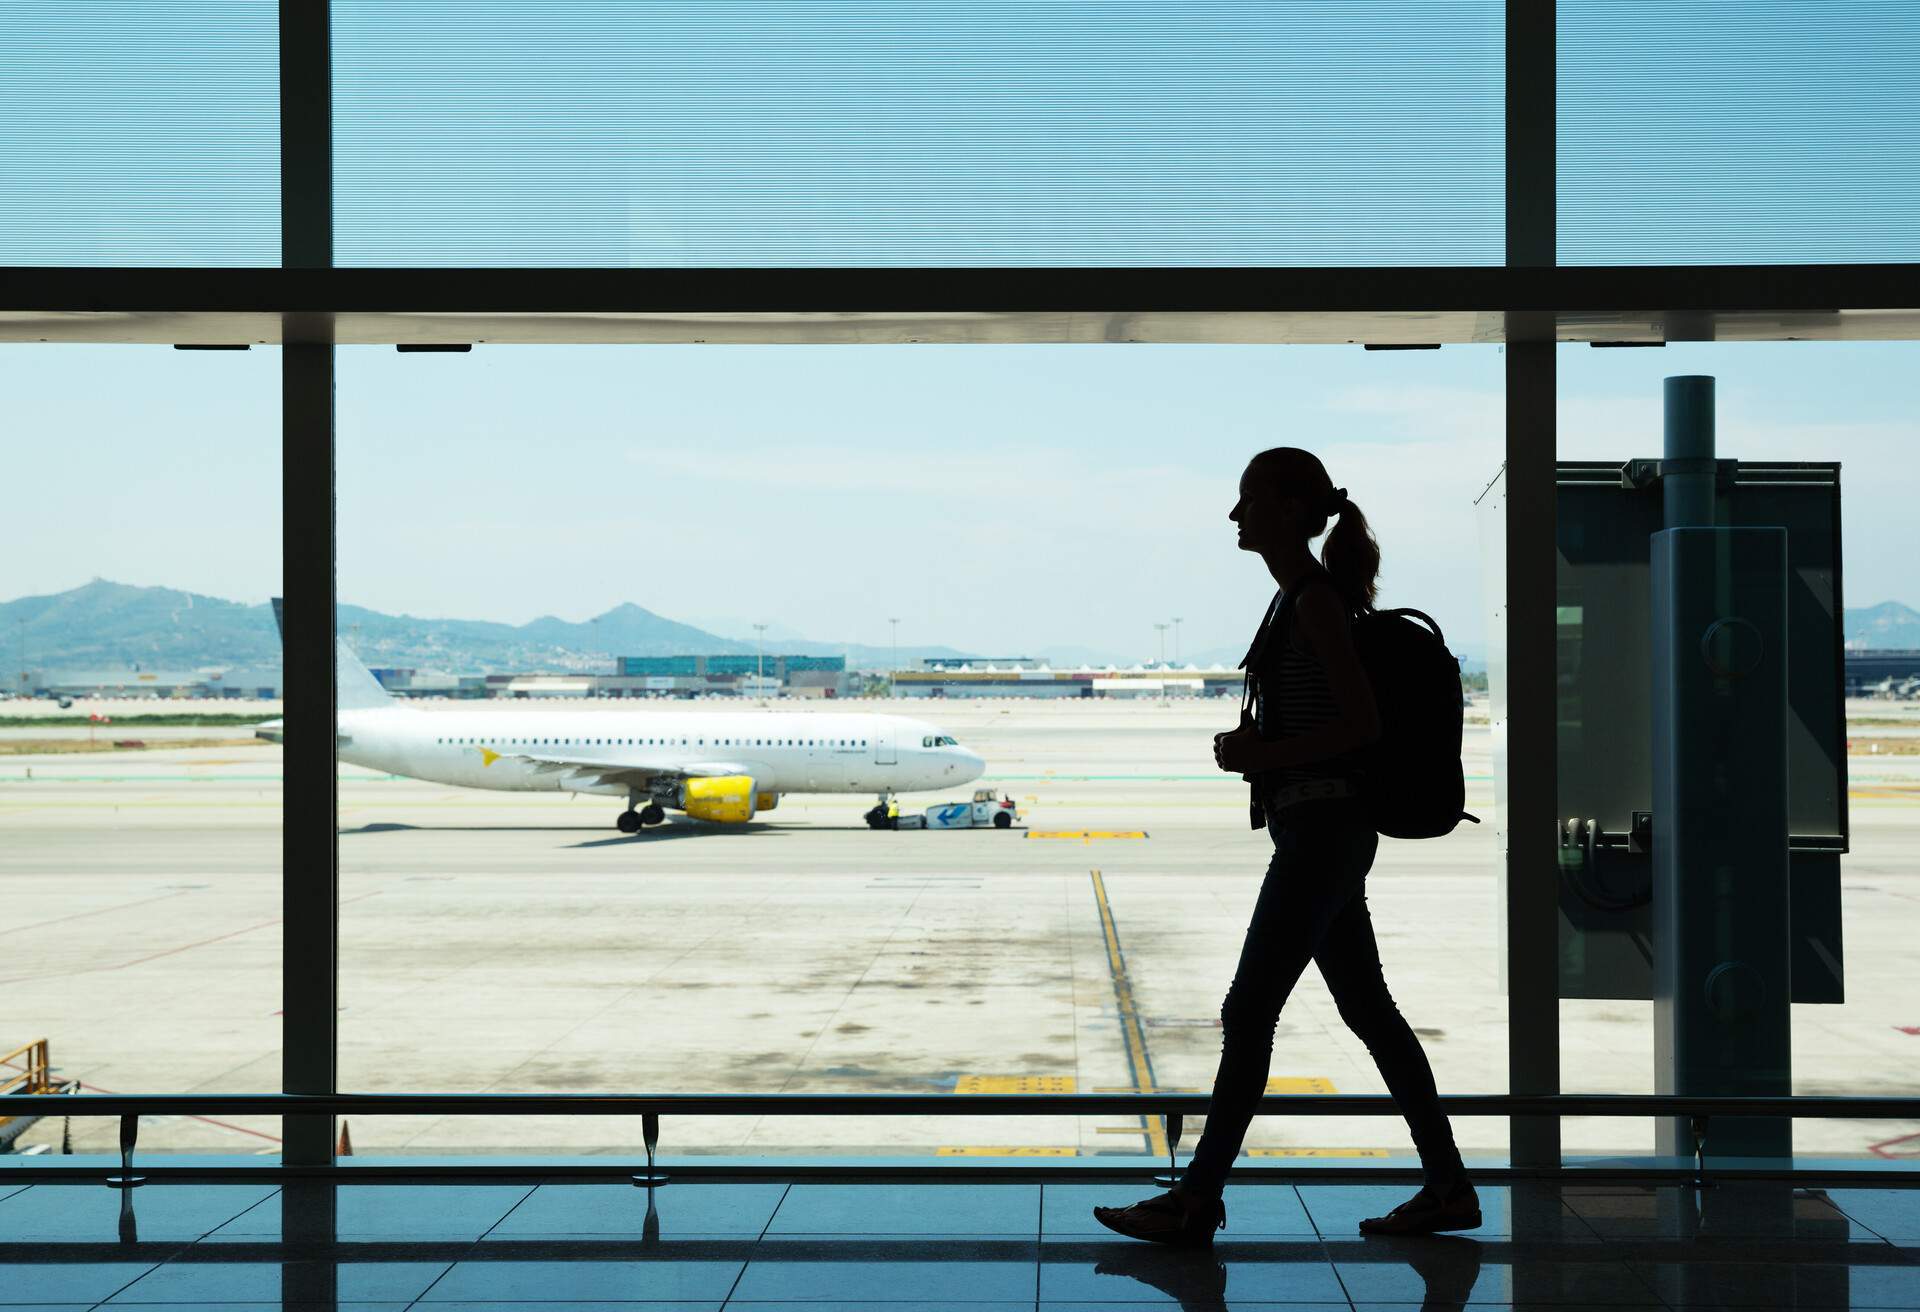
(354, 688)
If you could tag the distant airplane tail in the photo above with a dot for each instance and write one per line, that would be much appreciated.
(354, 688)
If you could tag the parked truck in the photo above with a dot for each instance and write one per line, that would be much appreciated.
(986, 808)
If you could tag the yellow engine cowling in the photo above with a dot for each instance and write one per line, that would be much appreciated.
(765, 801)
(727, 799)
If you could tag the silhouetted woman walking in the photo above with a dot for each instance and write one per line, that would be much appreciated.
(1311, 707)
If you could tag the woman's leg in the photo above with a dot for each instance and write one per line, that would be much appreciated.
(1313, 874)
(1349, 961)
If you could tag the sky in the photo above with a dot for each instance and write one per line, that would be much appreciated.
(1004, 500)
(999, 499)
(961, 132)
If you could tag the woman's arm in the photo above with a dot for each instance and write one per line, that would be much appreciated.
(1323, 624)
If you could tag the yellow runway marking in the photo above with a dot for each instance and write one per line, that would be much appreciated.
(1300, 1084)
(1138, 1066)
(1275, 1084)
(1016, 1150)
(1318, 1152)
(1015, 1084)
(1086, 835)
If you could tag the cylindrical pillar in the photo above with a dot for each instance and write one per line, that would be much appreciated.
(1720, 849)
(1687, 474)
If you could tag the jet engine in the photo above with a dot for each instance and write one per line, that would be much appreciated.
(727, 799)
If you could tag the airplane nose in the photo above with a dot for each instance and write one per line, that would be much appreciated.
(975, 765)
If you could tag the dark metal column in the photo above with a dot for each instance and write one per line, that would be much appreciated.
(306, 134)
(309, 853)
(1721, 869)
(1531, 787)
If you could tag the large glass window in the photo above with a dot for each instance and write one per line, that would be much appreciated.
(523, 526)
(1013, 133)
(1710, 133)
(139, 758)
(1817, 402)
(140, 134)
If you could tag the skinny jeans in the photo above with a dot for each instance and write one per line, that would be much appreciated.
(1313, 907)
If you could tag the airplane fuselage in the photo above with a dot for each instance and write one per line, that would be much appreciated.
(784, 751)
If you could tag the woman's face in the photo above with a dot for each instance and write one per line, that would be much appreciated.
(1266, 514)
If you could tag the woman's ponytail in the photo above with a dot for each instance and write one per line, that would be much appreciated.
(1351, 554)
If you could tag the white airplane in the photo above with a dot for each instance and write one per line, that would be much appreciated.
(722, 766)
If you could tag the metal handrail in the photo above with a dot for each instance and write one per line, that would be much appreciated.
(1807, 1107)
(129, 1107)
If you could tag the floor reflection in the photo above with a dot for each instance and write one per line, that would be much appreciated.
(313, 1244)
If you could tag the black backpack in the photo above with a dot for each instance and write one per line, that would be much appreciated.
(1410, 781)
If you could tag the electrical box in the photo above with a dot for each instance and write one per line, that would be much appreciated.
(1606, 515)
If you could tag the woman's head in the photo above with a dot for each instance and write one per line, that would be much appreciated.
(1286, 500)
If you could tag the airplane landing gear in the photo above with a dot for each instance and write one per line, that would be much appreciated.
(630, 820)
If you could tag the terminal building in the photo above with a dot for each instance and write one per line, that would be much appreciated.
(791, 675)
(1888, 673)
(961, 679)
(730, 675)
(256, 684)
(918, 308)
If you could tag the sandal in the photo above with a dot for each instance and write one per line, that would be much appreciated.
(1420, 1215)
(1166, 1219)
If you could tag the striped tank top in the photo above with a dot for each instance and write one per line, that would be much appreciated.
(1291, 697)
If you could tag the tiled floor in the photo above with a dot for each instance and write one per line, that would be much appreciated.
(892, 1247)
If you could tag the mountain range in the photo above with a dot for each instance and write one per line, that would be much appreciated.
(1888, 625)
(107, 626)
(115, 626)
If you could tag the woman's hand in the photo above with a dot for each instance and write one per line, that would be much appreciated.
(1239, 751)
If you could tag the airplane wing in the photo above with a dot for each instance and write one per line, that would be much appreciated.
(631, 771)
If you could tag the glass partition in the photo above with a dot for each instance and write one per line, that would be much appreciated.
(1786, 402)
(139, 736)
(569, 563)
(140, 134)
(1705, 133)
(863, 133)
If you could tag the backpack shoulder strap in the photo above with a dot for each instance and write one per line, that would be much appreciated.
(1260, 634)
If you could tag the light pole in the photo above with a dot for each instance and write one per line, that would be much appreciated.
(1163, 642)
(1176, 639)
(895, 621)
(26, 675)
(759, 661)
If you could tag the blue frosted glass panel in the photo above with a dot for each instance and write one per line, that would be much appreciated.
(139, 133)
(1739, 133)
(883, 132)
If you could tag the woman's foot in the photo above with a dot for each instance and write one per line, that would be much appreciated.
(1174, 1217)
(1452, 1207)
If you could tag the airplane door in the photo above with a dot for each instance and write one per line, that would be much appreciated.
(883, 753)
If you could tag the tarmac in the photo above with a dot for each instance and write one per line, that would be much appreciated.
(517, 942)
